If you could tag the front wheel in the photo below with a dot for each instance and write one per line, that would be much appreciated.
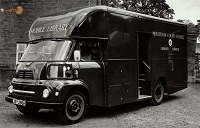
(158, 94)
(28, 110)
(74, 108)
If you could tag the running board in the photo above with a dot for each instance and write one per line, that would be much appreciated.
(141, 79)
(143, 97)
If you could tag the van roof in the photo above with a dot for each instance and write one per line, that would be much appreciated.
(87, 10)
(63, 23)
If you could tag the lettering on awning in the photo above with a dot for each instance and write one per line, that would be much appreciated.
(49, 28)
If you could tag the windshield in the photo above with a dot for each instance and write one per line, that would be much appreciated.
(47, 50)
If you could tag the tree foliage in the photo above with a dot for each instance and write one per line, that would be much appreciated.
(158, 8)
(191, 28)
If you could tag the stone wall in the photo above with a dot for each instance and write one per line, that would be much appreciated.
(191, 40)
(14, 28)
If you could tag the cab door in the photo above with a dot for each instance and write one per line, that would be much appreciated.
(91, 70)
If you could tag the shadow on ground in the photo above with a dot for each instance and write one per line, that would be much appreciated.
(50, 117)
(95, 112)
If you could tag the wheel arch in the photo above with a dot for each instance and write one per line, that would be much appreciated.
(76, 85)
(82, 89)
(164, 82)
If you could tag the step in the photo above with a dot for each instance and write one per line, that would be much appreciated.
(143, 97)
(141, 79)
(141, 75)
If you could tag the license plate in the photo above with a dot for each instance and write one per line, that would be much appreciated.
(19, 102)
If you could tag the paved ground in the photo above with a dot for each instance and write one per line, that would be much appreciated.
(180, 110)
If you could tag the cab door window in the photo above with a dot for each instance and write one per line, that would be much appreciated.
(90, 51)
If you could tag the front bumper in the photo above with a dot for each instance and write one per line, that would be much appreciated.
(38, 104)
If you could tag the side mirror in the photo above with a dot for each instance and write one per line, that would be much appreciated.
(77, 55)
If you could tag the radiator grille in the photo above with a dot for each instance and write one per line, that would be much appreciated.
(25, 74)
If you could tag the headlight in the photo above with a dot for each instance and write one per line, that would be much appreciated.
(46, 93)
(10, 89)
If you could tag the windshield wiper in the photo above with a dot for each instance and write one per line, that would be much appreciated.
(34, 42)
(57, 39)
(39, 40)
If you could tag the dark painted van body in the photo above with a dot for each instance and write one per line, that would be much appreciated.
(132, 53)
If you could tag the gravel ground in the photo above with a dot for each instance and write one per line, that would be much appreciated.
(180, 110)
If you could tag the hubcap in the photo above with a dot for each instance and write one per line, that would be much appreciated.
(74, 106)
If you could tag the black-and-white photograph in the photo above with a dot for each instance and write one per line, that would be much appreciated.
(100, 63)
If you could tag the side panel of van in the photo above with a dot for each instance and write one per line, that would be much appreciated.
(121, 61)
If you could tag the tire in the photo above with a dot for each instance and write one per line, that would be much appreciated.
(28, 110)
(74, 108)
(158, 94)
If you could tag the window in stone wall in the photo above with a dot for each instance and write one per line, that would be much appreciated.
(20, 50)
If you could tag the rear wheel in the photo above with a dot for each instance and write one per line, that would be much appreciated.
(28, 110)
(74, 108)
(158, 94)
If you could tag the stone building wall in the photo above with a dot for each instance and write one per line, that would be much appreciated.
(14, 28)
(191, 42)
